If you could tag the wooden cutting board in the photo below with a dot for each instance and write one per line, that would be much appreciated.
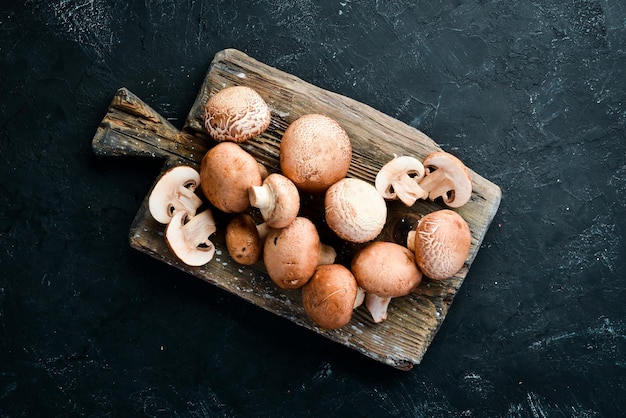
(132, 128)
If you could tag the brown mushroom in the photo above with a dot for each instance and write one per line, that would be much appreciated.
(384, 270)
(277, 199)
(441, 243)
(236, 114)
(244, 239)
(175, 191)
(354, 210)
(227, 172)
(188, 237)
(448, 178)
(291, 254)
(399, 179)
(329, 297)
(315, 152)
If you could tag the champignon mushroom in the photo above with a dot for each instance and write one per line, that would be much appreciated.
(277, 199)
(441, 243)
(399, 179)
(226, 173)
(330, 296)
(446, 177)
(188, 237)
(354, 210)
(236, 114)
(291, 254)
(175, 191)
(244, 239)
(315, 152)
(384, 270)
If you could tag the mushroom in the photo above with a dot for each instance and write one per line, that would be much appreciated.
(226, 173)
(188, 237)
(236, 114)
(354, 210)
(330, 296)
(441, 243)
(446, 177)
(244, 239)
(399, 179)
(277, 199)
(175, 191)
(315, 152)
(291, 254)
(384, 270)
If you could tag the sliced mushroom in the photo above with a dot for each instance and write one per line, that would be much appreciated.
(277, 199)
(399, 179)
(441, 243)
(175, 191)
(330, 296)
(354, 210)
(188, 237)
(448, 178)
(291, 254)
(236, 114)
(384, 270)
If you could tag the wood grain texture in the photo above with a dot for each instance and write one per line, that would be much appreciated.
(131, 127)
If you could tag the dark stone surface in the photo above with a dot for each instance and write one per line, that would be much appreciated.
(529, 94)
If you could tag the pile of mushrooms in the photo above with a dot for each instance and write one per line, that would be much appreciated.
(315, 155)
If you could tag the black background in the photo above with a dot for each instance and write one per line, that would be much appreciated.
(529, 94)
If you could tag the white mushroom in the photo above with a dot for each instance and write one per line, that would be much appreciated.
(188, 237)
(399, 179)
(448, 178)
(175, 191)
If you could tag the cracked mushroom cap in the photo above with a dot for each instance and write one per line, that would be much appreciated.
(227, 172)
(441, 243)
(175, 191)
(448, 178)
(315, 152)
(236, 114)
(329, 297)
(291, 254)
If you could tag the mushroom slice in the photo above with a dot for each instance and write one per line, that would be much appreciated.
(278, 200)
(188, 237)
(384, 270)
(399, 179)
(175, 191)
(448, 178)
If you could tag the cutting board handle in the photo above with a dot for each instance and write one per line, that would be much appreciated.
(132, 128)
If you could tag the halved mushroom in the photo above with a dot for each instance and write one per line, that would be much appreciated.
(354, 210)
(244, 239)
(330, 296)
(188, 237)
(278, 200)
(291, 254)
(384, 270)
(236, 114)
(446, 177)
(399, 179)
(441, 243)
(175, 191)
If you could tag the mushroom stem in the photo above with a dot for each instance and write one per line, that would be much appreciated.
(437, 184)
(262, 229)
(360, 297)
(410, 240)
(408, 190)
(327, 255)
(377, 306)
(261, 198)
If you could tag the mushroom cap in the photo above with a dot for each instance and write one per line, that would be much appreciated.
(278, 200)
(354, 210)
(226, 173)
(386, 269)
(448, 178)
(442, 244)
(315, 152)
(291, 254)
(188, 237)
(243, 242)
(236, 114)
(175, 191)
(329, 296)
